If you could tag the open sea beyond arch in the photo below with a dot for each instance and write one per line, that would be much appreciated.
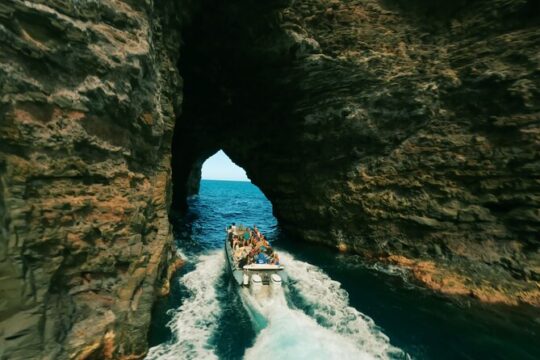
(333, 307)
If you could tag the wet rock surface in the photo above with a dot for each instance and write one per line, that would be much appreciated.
(405, 131)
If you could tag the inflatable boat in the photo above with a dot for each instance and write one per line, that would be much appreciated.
(259, 278)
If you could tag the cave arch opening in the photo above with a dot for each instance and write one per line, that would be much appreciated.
(222, 193)
(227, 92)
(239, 93)
(219, 166)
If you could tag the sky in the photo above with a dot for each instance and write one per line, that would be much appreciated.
(220, 167)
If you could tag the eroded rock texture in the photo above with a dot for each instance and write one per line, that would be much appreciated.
(407, 131)
(88, 94)
(402, 130)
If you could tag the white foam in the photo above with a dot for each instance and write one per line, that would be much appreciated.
(338, 324)
(195, 320)
(324, 326)
(291, 334)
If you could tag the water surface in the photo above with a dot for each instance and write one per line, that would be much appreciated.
(335, 306)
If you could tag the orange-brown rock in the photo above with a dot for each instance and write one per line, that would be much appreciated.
(171, 269)
(86, 121)
(378, 126)
(452, 281)
(384, 127)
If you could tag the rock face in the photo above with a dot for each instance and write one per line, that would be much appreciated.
(396, 129)
(88, 94)
(407, 131)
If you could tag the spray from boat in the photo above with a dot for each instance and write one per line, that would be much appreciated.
(317, 324)
(197, 318)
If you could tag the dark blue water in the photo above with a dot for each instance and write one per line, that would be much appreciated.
(205, 316)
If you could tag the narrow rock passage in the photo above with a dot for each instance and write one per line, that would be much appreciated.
(406, 132)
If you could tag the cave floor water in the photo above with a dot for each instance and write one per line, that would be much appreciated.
(334, 306)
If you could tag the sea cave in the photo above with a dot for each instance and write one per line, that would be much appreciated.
(404, 134)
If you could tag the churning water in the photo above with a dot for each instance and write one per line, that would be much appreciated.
(324, 311)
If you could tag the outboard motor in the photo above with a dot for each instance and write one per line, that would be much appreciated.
(245, 280)
(255, 284)
(275, 282)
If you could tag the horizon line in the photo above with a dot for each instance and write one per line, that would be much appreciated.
(239, 180)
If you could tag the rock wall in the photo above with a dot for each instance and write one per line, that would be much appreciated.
(88, 96)
(406, 131)
(423, 130)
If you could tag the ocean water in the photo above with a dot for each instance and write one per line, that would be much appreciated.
(333, 306)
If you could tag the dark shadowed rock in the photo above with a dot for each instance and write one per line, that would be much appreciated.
(406, 131)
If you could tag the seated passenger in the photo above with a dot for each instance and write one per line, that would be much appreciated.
(274, 260)
(241, 253)
(236, 242)
(261, 259)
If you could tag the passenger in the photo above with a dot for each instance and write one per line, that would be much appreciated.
(236, 242)
(261, 259)
(247, 235)
(229, 233)
(257, 232)
(253, 252)
(241, 253)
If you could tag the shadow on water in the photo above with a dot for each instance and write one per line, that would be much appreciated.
(423, 324)
(159, 332)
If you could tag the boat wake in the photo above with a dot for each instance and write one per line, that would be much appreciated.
(196, 319)
(309, 318)
(319, 325)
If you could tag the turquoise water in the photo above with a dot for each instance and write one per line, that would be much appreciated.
(333, 307)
